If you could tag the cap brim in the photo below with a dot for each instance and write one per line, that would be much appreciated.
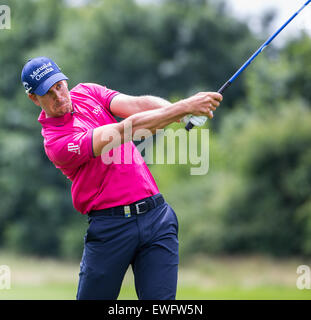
(48, 83)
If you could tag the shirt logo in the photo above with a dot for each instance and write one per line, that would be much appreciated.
(97, 110)
(73, 148)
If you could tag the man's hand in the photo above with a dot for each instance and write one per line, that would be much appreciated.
(203, 103)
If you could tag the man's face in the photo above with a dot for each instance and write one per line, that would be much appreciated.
(56, 102)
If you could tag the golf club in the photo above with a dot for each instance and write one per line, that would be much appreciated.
(200, 120)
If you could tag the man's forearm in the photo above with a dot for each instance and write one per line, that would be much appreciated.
(151, 103)
(149, 121)
(156, 119)
(124, 106)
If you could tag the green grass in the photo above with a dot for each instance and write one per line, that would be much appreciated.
(225, 278)
(59, 291)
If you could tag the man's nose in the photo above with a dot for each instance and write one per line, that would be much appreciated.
(57, 95)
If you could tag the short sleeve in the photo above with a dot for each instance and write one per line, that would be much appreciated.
(71, 151)
(103, 94)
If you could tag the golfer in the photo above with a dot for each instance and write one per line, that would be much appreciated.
(130, 223)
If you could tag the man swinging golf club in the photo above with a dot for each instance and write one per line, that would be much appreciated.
(130, 222)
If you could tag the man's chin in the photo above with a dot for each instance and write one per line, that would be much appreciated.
(60, 111)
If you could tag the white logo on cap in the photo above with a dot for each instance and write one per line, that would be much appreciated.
(27, 87)
(47, 69)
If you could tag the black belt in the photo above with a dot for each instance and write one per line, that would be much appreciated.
(135, 208)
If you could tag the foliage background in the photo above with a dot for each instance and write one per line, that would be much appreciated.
(256, 195)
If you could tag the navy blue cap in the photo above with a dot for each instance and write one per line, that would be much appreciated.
(40, 74)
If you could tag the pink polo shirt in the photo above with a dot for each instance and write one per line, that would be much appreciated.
(96, 184)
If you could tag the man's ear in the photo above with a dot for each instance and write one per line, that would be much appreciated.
(34, 99)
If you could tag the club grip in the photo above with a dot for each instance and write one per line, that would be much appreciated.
(189, 126)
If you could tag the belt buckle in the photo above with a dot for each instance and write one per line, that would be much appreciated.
(138, 209)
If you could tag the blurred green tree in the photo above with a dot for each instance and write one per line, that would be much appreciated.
(256, 195)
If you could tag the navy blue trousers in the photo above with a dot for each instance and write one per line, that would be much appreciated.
(147, 241)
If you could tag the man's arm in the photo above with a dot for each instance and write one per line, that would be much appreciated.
(201, 104)
(124, 106)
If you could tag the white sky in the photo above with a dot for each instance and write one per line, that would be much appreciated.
(252, 9)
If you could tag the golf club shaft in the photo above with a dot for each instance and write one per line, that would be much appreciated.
(192, 120)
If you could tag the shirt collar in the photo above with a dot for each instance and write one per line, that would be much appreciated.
(57, 121)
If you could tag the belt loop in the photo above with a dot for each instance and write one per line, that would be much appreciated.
(154, 201)
(127, 211)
